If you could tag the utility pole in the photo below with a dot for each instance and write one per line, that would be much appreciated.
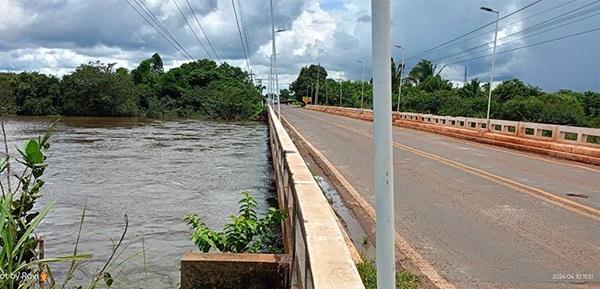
(340, 92)
(465, 76)
(362, 94)
(493, 63)
(307, 95)
(317, 93)
(270, 88)
(382, 142)
(400, 81)
(400, 84)
(326, 99)
(275, 60)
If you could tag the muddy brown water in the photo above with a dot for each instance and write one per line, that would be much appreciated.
(156, 172)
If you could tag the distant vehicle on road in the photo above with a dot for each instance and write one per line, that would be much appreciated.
(306, 100)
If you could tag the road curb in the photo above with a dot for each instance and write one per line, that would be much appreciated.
(406, 256)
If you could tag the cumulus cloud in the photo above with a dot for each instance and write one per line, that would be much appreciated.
(12, 15)
(55, 36)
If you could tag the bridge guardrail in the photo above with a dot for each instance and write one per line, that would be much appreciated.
(580, 144)
(320, 256)
(539, 131)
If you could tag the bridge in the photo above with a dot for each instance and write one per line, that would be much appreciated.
(467, 214)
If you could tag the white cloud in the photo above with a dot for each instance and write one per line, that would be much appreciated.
(12, 15)
(335, 33)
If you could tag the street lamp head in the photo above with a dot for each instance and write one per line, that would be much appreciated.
(280, 30)
(359, 61)
(398, 46)
(488, 9)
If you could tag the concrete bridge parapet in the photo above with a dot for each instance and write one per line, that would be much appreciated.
(320, 257)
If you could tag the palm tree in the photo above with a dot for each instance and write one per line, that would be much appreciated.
(396, 74)
(422, 71)
(472, 88)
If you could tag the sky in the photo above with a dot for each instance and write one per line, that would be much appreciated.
(55, 36)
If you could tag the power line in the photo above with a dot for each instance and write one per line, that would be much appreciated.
(203, 32)
(240, 32)
(153, 17)
(522, 37)
(157, 21)
(526, 46)
(192, 29)
(158, 30)
(546, 23)
(473, 31)
(520, 20)
(245, 27)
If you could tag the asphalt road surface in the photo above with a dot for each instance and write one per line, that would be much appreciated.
(482, 216)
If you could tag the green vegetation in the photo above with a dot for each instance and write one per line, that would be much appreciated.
(425, 91)
(200, 89)
(22, 261)
(368, 274)
(245, 233)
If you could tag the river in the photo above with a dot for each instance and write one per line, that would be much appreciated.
(156, 172)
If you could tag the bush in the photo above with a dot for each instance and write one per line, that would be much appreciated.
(245, 233)
(94, 89)
(368, 274)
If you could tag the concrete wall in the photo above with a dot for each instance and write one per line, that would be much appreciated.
(320, 258)
(573, 143)
(234, 271)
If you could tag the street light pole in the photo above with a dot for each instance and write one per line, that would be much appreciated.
(493, 64)
(400, 81)
(273, 97)
(340, 80)
(317, 92)
(326, 98)
(275, 59)
(382, 143)
(362, 94)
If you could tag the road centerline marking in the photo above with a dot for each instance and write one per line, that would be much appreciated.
(484, 146)
(532, 191)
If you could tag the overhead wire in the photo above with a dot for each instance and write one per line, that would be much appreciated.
(157, 29)
(446, 43)
(518, 21)
(240, 33)
(203, 32)
(245, 27)
(192, 29)
(159, 23)
(523, 33)
(460, 54)
(529, 45)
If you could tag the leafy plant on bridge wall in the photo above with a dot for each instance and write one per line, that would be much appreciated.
(246, 232)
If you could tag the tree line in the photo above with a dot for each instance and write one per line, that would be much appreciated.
(424, 90)
(200, 89)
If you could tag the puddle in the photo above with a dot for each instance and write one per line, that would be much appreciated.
(354, 229)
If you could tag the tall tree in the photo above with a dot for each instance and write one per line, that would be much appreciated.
(7, 97)
(306, 83)
(421, 71)
(513, 88)
(36, 93)
(95, 89)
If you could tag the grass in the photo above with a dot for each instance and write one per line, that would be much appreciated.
(368, 274)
